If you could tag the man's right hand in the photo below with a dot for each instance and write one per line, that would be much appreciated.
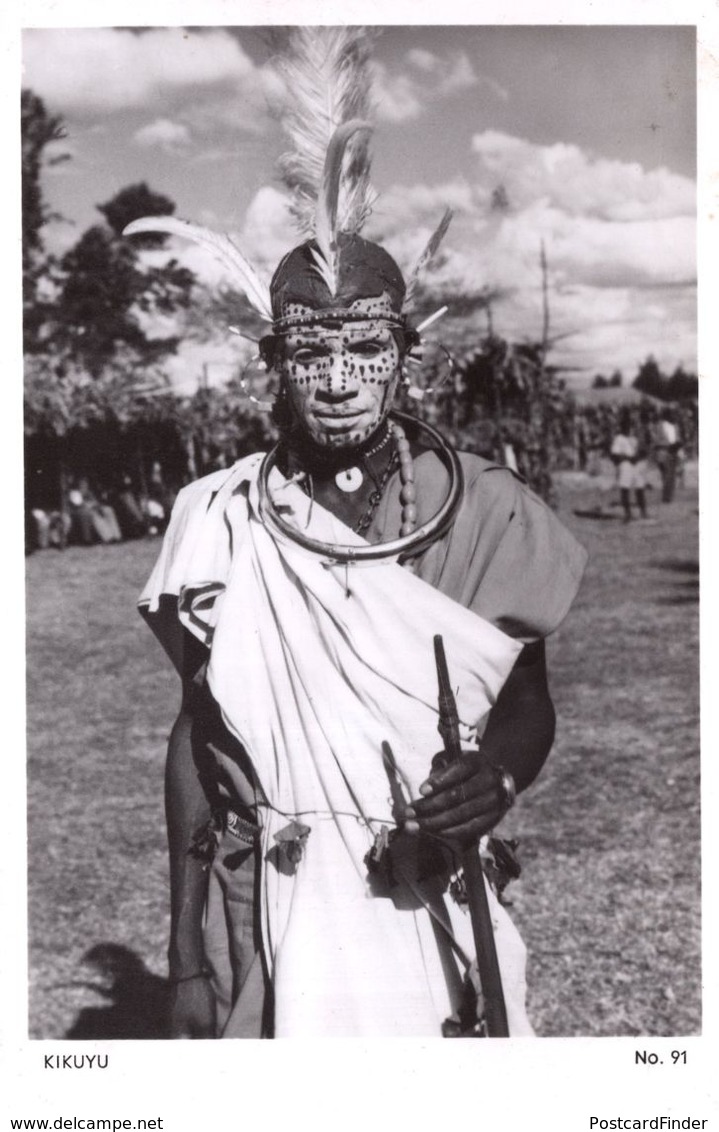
(192, 1010)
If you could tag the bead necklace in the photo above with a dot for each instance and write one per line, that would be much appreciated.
(376, 495)
(351, 479)
(408, 494)
(402, 455)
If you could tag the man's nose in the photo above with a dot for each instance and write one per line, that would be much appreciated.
(339, 382)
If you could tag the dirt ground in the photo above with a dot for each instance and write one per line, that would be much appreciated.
(608, 902)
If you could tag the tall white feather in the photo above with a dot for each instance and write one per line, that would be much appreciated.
(256, 290)
(327, 77)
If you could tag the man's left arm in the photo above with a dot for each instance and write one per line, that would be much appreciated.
(466, 799)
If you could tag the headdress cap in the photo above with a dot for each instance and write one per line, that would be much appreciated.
(365, 271)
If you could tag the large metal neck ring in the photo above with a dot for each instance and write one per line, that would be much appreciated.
(403, 547)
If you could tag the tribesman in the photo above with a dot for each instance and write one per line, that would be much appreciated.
(316, 847)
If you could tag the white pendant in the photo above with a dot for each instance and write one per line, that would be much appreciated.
(349, 479)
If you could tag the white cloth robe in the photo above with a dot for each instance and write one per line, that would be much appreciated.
(315, 666)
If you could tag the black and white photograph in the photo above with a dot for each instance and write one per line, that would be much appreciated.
(361, 525)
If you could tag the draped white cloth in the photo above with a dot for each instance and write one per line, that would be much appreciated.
(317, 669)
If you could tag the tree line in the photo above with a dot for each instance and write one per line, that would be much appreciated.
(651, 380)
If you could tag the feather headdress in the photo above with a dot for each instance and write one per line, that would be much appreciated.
(327, 78)
(325, 112)
(325, 115)
(327, 74)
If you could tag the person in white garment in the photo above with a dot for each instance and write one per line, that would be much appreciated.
(629, 457)
(315, 841)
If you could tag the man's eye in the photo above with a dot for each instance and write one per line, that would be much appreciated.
(308, 355)
(368, 349)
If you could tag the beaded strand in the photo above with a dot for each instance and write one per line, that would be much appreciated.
(408, 492)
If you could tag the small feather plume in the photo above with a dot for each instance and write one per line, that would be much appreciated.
(327, 76)
(434, 241)
(256, 290)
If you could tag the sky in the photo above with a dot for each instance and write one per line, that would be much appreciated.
(589, 131)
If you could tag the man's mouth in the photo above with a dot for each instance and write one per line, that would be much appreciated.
(331, 418)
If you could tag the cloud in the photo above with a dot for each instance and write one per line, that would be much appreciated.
(244, 106)
(402, 208)
(458, 76)
(446, 74)
(106, 69)
(399, 97)
(404, 95)
(620, 244)
(163, 134)
(619, 291)
(423, 60)
(618, 328)
(405, 217)
(216, 155)
(268, 232)
(604, 223)
(639, 254)
(580, 250)
(576, 182)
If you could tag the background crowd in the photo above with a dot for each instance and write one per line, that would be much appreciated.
(102, 483)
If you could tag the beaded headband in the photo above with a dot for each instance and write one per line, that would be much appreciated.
(335, 314)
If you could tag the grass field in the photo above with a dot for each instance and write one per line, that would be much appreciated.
(609, 898)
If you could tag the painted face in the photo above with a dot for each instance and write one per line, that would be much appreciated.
(341, 379)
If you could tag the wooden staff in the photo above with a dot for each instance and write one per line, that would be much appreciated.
(495, 1011)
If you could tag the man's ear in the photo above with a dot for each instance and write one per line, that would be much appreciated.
(270, 350)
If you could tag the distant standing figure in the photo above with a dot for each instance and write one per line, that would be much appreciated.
(667, 445)
(631, 468)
